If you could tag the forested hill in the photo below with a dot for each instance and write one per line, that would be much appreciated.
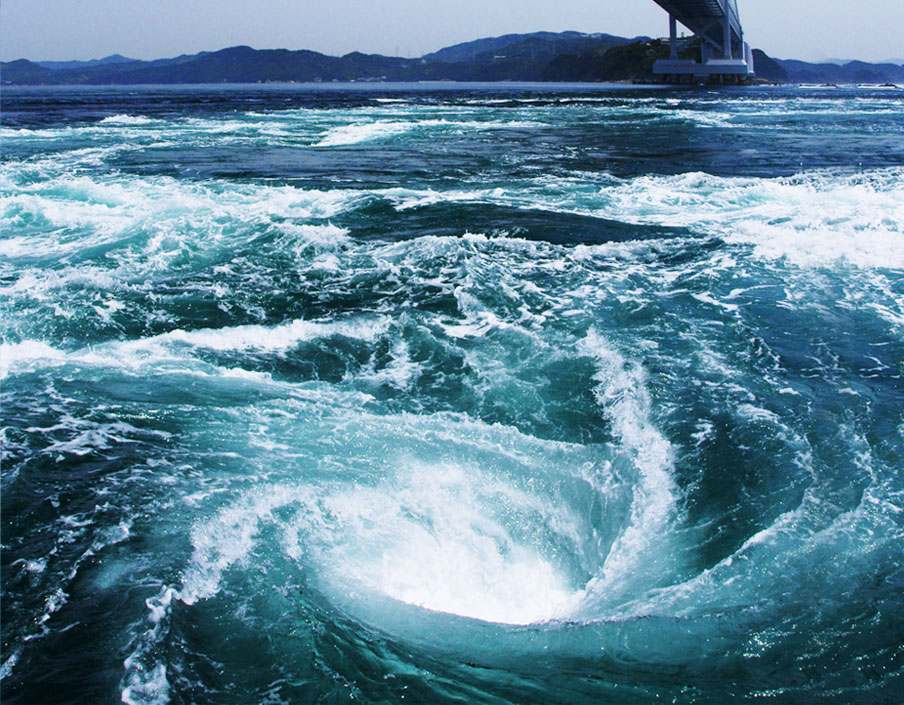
(541, 56)
(512, 57)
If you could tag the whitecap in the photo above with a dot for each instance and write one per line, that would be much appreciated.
(362, 132)
(125, 119)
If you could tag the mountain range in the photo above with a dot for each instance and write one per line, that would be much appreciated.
(539, 56)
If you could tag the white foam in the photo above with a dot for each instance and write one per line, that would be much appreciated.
(266, 338)
(80, 213)
(756, 413)
(702, 118)
(445, 535)
(404, 199)
(381, 129)
(97, 436)
(321, 237)
(14, 355)
(362, 132)
(400, 371)
(146, 688)
(10, 663)
(220, 543)
(26, 355)
(703, 432)
(431, 539)
(126, 120)
(813, 219)
(623, 397)
(820, 218)
(708, 298)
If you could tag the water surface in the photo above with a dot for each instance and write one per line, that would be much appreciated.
(443, 394)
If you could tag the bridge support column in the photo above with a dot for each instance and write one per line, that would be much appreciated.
(673, 37)
(726, 35)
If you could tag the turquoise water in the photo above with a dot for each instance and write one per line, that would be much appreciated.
(443, 394)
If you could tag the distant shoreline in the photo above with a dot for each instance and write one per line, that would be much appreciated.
(374, 86)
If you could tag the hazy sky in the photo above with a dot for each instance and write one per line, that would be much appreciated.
(145, 29)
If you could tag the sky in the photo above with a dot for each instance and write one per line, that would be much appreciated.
(58, 30)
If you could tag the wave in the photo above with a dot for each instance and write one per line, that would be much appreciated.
(643, 545)
(381, 129)
(125, 119)
(354, 134)
(812, 219)
(809, 220)
(148, 352)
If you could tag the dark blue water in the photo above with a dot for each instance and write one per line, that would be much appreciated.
(445, 394)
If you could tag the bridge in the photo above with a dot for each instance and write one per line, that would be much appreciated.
(724, 55)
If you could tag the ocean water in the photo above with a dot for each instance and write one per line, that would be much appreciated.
(448, 394)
